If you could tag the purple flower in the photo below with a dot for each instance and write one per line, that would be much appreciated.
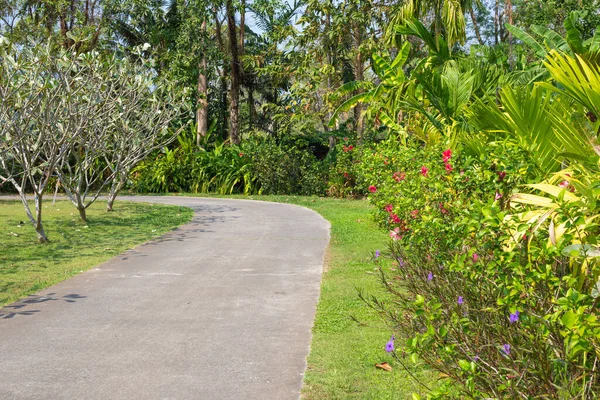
(377, 253)
(429, 277)
(389, 346)
(460, 300)
(400, 262)
(498, 196)
(476, 358)
(514, 317)
(506, 349)
(441, 266)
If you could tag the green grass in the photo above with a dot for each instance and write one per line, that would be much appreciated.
(341, 364)
(27, 267)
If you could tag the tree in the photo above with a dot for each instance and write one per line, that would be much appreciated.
(36, 131)
(148, 110)
(236, 74)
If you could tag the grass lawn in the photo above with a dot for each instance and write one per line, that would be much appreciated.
(27, 267)
(341, 364)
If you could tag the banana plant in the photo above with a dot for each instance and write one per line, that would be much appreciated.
(548, 40)
(384, 99)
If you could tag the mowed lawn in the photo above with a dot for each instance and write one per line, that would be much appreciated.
(75, 246)
(349, 337)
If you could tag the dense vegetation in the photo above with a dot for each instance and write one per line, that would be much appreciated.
(472, 127)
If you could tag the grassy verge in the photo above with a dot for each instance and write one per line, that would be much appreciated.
(341, 364)
(26, 266)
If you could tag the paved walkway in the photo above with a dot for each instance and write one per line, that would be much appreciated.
(221, 308)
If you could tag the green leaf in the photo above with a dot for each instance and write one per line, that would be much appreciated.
(464, 365)
(569, 319)
(527, 39)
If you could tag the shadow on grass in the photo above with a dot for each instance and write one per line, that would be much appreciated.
(20, 308)
(109, 227)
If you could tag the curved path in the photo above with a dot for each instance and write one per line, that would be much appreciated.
(221, 308)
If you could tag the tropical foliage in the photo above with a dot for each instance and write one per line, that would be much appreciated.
(472, 126)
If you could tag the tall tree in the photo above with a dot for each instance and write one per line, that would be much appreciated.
(236, 74)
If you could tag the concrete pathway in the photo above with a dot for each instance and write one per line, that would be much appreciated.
(221, 308)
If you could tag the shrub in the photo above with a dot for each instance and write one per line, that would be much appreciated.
(498, 307)
(286, 168)
(221, 169)
(345, 169)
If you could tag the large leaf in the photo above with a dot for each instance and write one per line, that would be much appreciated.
(573, 35)
(526, 38)
(551, 39)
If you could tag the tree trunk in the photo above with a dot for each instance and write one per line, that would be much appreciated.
(242, 27)
(222, 71)
(82, 212)
(112, 194)
(234, 92)
(509, 14)
(476, 27)
(358, 109)
(202, 111)
(496, 22)
(39, 227)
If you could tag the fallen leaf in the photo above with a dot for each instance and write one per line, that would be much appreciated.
(384, 366)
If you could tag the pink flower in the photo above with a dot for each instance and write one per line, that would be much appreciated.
(446, 155)
(448, 167)
(389, 208)
(372, 188)
(564, 184)
(241, 154)
(424, 170)
(399, 176)
(395, 234)
(475, 257)
(414, 213)
(498, 196)
(395, 219)
(442, 209)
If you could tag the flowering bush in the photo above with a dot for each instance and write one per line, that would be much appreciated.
(493, 303)
(344, 170)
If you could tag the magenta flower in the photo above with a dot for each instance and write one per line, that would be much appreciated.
(446, 155)
(372, 188)
(389, 346)
(501, 176)
(514, 317)
(498, 196)
(448, 167)
(475, 257)
(389, 208)
(564, 184)
(424, 171)
(460, 301)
